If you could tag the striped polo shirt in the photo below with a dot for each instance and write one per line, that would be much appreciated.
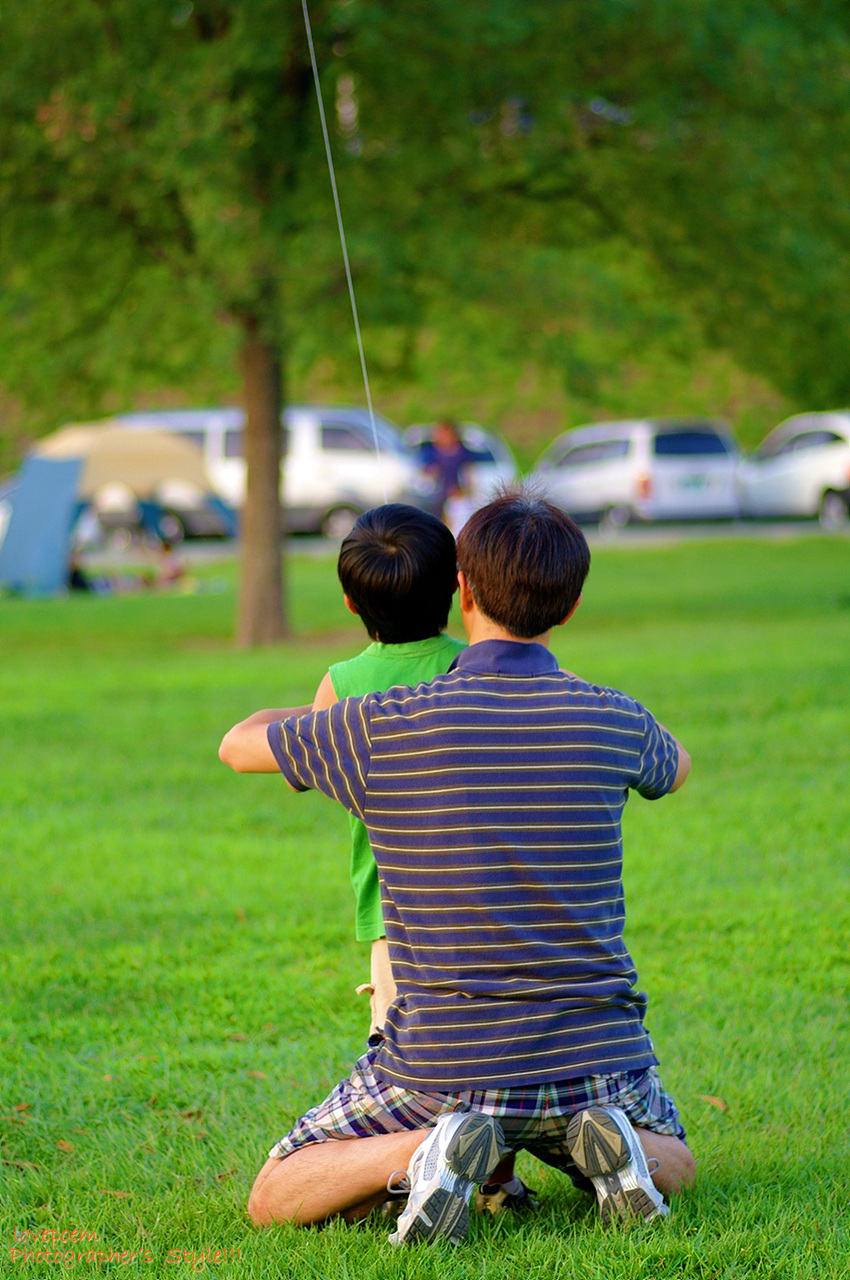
(493, 797)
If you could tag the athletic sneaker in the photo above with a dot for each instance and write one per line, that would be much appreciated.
(495, 1198)
(605, 1147)
(461, 1150)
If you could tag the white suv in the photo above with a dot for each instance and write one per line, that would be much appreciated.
(646, 469)
(801, 469)
(332, 468)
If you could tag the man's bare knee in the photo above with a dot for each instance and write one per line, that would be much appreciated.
(689, 1169)
(271, 1199)
(323, 1180)
(258, 1210)
(675, 1169)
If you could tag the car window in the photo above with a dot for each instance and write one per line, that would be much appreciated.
(595, 451)
(481, 454)
(197, 437)
(233, 446)
(345, 437)
(813, 440)
(677, 444)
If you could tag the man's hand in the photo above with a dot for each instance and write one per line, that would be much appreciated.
(684, 767)
(246, 748)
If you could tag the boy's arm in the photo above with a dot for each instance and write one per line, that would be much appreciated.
(325, 694)
(246, 748)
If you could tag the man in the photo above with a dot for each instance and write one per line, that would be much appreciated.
(493, 798)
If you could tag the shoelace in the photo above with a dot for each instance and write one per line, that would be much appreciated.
(398, 1183)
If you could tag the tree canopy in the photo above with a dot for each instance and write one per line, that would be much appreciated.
(167, 220)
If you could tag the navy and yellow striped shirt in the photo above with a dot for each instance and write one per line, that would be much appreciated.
(493, 797)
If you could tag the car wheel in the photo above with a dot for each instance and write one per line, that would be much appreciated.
(339, 522)
(614, 518)
(833, 512)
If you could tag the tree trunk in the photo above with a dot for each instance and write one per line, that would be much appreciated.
(261, 617)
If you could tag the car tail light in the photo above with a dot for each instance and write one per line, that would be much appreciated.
(644, 485)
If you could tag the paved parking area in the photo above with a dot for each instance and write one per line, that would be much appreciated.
(201, 551)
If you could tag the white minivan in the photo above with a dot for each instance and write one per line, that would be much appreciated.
(334, 465)
(647, 469)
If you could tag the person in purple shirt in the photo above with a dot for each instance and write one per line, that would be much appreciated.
(493, 797)
(447, 460)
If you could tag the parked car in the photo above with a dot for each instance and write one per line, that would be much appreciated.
(332, 467)
(494, 463)
(643, 469)
(801, 469)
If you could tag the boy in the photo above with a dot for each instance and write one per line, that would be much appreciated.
(493, 798)
(398, 570)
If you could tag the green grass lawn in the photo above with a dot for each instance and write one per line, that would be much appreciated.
(177, 955)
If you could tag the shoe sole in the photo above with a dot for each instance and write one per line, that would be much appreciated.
(476, 1147)
(596, 1144)
(444, 1213)
(623, 1204)
(471, 1153)
(599, 1149)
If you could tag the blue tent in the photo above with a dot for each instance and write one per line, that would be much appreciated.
(35, 550)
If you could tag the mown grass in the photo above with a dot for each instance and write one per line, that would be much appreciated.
(177, 957)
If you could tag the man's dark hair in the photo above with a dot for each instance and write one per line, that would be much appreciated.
(398, 568)
(525, 561)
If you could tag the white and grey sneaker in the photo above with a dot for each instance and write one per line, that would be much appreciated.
(605, 1147)
(461, 1150)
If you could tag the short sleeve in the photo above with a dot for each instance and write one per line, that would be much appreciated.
(659, 760)
(327, 751)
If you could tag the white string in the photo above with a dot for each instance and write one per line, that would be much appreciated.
(342, 239)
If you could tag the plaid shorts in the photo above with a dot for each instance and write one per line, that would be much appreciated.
(534, 1117)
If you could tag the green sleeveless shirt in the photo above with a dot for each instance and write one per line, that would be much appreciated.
(378, 668)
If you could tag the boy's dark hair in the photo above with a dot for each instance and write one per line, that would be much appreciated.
(398, 568)
(525, 561)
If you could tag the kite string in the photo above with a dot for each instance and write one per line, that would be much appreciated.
(342, 239)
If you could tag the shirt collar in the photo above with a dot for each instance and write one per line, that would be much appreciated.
(506, 658)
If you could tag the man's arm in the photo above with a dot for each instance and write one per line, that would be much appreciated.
(246, 748)
(683, 768)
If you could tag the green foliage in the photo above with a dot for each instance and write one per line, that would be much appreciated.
(588, 335)
(178, 956)
(556, 213)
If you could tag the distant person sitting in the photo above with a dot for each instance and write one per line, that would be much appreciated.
(446, 458)
(77, 578)
(171, 568)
